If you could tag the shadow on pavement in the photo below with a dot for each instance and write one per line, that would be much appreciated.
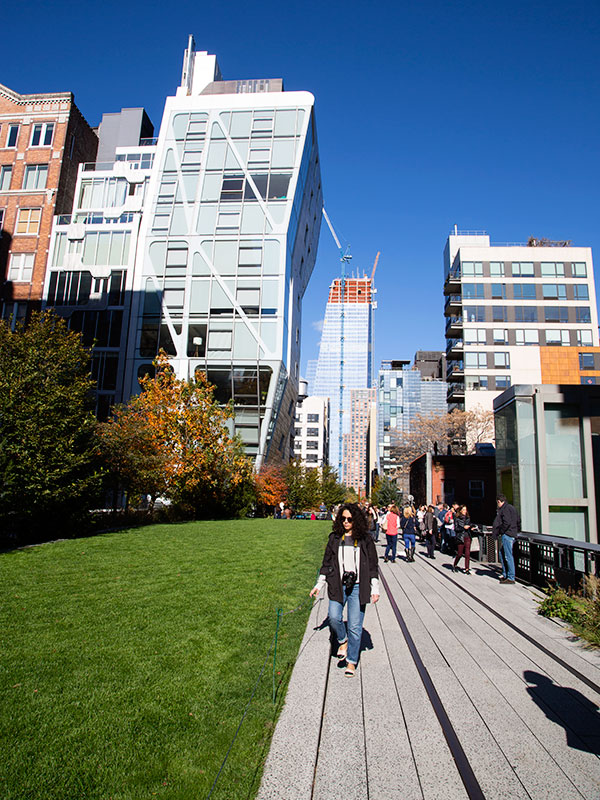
(569, 709)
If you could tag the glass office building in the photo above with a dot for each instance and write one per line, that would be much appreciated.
(335, 376)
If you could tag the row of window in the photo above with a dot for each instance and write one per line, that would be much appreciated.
(309, 417)
(525, 291)
(485, 336)
(495, 360)
(41, 135)
(35, 177)
(523, 269)
(487, 382)
(527, 314)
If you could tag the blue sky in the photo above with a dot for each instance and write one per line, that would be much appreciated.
(428, 114)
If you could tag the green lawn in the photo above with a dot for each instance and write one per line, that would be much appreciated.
(127, 659)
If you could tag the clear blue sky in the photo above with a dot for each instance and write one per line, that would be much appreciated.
(485, 114)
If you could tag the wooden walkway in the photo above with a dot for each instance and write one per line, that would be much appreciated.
(462, 691)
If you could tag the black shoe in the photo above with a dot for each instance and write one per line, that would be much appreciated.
(453, 568)
(386, 559)
(467, 572)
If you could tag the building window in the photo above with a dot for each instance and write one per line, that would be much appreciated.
(5, 178)
(551, 270)
(476, 489)
(588, 380)
(475, 336)
(524, 269)
(582, 314)
(579, 269)
(28, 221)
(586, 361)
(581, 291)
(474, 313)
(36, 176)
(476, 382)
(312, 457)
(554, 291)
(498, 291)
(312, 417)
(556, 313)
(312, 431)
(499, 314)
(502, 360)
(557, 337)
(472, 269)
(527, 336)
(500, 336)
(41, 134)
(311, 444)
(473, 291)
(584, 338)
(524, 291)
(232, 187)
(497, 269)
(21, 267)
(526, 314)
(502, 382)
(476, 360)
(13, 135)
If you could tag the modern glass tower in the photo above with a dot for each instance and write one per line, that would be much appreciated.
(333, 378)
(227, 245)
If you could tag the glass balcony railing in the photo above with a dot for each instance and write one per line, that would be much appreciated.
(149, 142)
(94, 218)
(454, 321)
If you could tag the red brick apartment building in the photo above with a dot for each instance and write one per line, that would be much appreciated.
(43, 139)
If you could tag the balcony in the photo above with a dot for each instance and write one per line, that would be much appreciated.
(454, 324)
(94, 218)
(456, 392)
(455, 371)
(453, 304)
(452, 282)
(454, 348)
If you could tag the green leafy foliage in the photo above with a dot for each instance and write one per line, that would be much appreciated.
(308, 487)
(48, 467)
(385, 492)
(558, 603)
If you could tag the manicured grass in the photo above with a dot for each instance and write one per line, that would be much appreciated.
(127, 659)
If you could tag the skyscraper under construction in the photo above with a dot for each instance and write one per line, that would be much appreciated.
(345, 354)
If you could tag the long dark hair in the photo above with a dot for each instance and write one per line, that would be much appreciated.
(359, 521)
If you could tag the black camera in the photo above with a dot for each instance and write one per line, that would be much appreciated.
(349, 579)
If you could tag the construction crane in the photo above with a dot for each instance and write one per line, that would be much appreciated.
(345, 258)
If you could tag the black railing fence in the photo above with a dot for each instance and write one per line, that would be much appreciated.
(541, 559)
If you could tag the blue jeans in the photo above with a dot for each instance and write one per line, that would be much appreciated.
(392, 541)
(409, 541)
(353, 631)
(506, 556)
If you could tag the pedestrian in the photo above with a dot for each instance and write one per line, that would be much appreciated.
(462, 528)
(408, 524)
(391, 532)
(313, 515)
(450, 535)
(441, 514)
(421, 522)
(373, 523)
(431, 526)
(351, 572)
(506, 528)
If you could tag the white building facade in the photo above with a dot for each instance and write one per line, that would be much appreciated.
(505, 302)
(311, 432)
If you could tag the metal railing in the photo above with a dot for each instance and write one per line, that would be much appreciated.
(542, 559)
(94, 218)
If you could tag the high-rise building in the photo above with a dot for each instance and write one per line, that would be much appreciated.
(223, 213)
(311, 432)
(510, 311)
(43, 139)
(336, 376)
(402, 394)
(355, 465)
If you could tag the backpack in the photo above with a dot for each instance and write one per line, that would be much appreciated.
(448, 517)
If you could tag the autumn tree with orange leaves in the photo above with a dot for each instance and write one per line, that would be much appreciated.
(271, 487)
(205, 470)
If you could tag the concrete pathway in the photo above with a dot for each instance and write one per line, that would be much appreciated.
(462, 691)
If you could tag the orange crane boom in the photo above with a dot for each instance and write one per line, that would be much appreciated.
(375, 264)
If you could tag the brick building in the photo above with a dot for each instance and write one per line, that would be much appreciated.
(43, 139)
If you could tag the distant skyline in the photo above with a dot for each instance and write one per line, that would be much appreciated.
(428, 114)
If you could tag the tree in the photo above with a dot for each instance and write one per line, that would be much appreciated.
(49, 472)
(270, 485)
(332, 491)
(385, 491)
(132, 453)
(205, 470)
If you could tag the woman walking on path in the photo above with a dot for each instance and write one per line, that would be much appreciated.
(431, 525)
(391, 532)
(351, 572)
(409, 529)
(462, 529)
(422, 510)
